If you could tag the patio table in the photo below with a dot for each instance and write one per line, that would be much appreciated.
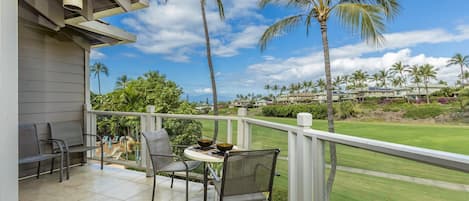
(209, 155)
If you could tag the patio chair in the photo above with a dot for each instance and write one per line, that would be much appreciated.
(30, 150)
(71, 135)
(163, 159)
(246, 175)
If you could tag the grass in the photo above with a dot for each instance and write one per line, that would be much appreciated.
(440, 137)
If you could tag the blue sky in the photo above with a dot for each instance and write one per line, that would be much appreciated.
(170, 40)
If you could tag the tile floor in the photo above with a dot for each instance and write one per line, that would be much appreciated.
(89, 183)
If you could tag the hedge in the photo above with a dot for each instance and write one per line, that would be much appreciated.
(319, 111)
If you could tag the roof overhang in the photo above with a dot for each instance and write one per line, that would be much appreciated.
(87, 22)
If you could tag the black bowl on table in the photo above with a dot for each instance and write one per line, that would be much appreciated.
(204, 143)
(224, 147)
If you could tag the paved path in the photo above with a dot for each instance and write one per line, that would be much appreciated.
(416, 180)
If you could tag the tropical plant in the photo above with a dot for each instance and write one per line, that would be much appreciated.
(122, 81)
(359, 78)
(221, 12)
(399, 69)
(428, 72)
(365, 17)
(462, 61)
(97, 68)
(376, 79)
(321, 84)
(414, 72)
(383, 77)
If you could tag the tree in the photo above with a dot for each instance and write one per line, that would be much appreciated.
(376, 79)
(397, 81)
(399, 69)
(98, 68)
(414, 72)
(383, 77)
(122, 81)
(359, 78)
(364, 17)
(221, 12)
(321, 84)
(428, 72)
(462, 61)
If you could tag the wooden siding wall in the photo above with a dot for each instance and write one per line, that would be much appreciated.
(51, 84)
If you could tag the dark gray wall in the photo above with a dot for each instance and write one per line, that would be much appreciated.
(51, 84)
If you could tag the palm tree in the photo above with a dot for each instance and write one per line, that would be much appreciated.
(275, 88)
(98, 68)
(221, 12)
(283, 89)
(427, 72)
(359, 78)
(383, 76)
(414, 71)
(375, 78)
(462, 61)
(399, 69)
(365, 17)
(321, 84)
(397, 81)
(122, 81)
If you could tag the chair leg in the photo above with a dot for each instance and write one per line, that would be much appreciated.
(172, 180)
(102, 156)
(154, 187)
(52, 165)
(61, 167)
(187, 185)
(38, 169)
(68, 165)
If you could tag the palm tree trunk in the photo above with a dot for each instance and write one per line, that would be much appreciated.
(99, 84)
(426, 92)
(330, 113)
(462, 76)
(212, 73)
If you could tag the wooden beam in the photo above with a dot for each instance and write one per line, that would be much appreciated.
(125, 4)
(51, 10)
(107, 30)
(45, 22)
(87, 11)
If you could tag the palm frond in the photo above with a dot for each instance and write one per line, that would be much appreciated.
(221, 9)
(363, 18)
(286, 24)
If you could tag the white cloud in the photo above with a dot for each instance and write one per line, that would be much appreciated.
(203, 91)
(96, 55)
(349, 58)
(173, 28)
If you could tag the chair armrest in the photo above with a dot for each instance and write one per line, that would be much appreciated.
(89, 134)
(214, 175)
(64, 144)
(171, 156)
(60, 144)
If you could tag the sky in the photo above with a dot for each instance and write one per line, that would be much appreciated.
(170, 40)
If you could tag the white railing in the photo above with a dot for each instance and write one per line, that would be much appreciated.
(306, 162)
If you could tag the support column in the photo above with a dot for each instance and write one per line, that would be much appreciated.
(9, 100)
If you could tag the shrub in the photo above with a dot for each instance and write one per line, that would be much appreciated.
(319, 111)
(423, 112)
(346, 110)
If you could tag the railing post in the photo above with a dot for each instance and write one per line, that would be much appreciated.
(147, 123)
(242, 112)
(247, 135)
(229, 132)
(304, 154)
(319, 169)
(292, 165)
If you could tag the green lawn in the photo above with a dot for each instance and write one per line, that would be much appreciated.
(441, 137)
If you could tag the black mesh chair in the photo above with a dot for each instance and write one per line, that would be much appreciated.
(71, 134)
(163, 159)
(246, 175)
(30, 150)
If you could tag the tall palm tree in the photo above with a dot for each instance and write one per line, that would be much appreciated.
(397, 81)
(321, 84)
(365, 17)
(122, 81)
(399, 69)
(376, 79)
(221, 12)
(359, 78)
(428, 72)
(414, 72)
(98, 68)
(462, 61)
(384, 76)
